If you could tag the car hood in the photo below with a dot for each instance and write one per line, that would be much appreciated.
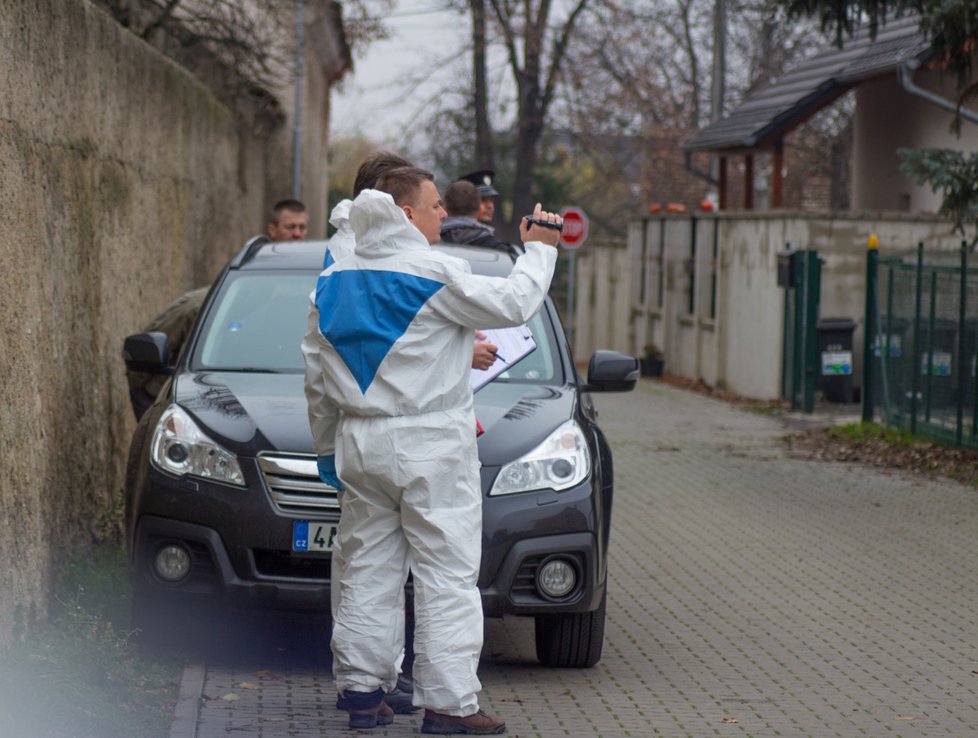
(253, 412)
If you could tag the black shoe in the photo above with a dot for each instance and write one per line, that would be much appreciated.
(367, 709)
(382, 714)
(398, 699)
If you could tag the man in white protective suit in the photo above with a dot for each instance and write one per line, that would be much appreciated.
(387, 351)
(342, 246)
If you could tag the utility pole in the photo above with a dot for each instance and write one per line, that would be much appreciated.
(297, 123)
(718, 88)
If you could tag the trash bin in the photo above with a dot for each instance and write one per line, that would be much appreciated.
(970, 364)
(835, 358)
(897, 337)
(937, 380)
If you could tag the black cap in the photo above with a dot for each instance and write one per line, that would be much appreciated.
(482, 181)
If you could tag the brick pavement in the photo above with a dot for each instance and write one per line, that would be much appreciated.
(752, 594)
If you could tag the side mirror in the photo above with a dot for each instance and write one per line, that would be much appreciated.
(611, 371)
(147, 352)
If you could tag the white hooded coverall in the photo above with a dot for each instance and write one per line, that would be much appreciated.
(343, 242)
(388, 351)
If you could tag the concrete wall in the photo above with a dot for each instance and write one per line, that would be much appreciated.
(633, 294)
(125, 183)
(877, 182)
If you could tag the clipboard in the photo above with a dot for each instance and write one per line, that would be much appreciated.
(512, 345)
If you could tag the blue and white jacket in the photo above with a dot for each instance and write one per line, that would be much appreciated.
(390, 328)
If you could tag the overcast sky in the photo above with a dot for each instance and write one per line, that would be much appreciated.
(377, 98)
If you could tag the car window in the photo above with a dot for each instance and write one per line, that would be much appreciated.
(258, 320)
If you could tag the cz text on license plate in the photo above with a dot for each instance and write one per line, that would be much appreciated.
(312, 536)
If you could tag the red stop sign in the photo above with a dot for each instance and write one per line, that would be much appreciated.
(575, 228)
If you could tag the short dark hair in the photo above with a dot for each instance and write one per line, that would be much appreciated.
(402, 183)
(374, 166)
(293, 206)
(462, 198)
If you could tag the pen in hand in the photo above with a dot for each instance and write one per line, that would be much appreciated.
(496, 354)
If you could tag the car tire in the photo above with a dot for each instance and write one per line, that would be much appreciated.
(571, 641)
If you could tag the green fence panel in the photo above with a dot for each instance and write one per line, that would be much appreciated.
(924, 352)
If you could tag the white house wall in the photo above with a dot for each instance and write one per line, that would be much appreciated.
(888, 118)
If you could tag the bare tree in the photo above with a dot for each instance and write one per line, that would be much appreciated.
(484, 150)
(254, 38)
(536, 67)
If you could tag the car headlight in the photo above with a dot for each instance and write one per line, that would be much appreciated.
(180, 447)
(560, 462)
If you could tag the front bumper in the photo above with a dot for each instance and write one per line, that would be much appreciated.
(239, 548)
(213, 577)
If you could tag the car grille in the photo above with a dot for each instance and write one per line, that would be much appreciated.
(294, 483)
(525, 583)
(282, 564)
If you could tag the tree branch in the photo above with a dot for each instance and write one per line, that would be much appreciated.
(560, 50)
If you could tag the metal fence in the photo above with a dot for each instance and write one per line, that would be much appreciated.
(922, 337)
(800, 274)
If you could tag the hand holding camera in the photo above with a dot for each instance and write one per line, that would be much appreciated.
(541, 226)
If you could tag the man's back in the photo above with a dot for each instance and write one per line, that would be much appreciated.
(463, 230)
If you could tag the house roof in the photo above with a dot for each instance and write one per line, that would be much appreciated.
(775, 109)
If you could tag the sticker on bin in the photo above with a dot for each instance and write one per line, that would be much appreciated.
(836, 363)
(896, 346)
(940, 365)
(313, 536)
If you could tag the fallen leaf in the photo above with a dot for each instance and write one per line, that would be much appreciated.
(730, 721)
(266, 674)
(249, 685)
(230, 697)
(904, 717)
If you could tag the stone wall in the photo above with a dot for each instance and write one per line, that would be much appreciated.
(124, 183)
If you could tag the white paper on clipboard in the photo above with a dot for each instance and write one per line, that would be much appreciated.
(512, 344)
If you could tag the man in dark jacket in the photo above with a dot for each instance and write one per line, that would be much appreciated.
(462, 202)
(482, 180)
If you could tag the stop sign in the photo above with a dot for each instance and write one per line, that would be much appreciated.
(575, 228)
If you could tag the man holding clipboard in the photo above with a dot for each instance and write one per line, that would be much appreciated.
(511, 345)
(388, 351)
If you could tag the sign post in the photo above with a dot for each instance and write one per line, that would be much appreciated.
(572, 238)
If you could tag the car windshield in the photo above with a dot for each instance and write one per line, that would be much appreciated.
(258, 319)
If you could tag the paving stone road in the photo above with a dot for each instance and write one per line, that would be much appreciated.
(752, 594)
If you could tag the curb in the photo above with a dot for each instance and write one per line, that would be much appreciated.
(187, 709)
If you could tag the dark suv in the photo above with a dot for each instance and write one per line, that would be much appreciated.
(224, 504)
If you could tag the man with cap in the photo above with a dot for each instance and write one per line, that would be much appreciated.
(462, 203)
(482, 179)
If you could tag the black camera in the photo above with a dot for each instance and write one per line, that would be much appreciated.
(530, 220)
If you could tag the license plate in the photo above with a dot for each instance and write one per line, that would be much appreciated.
(312, 536)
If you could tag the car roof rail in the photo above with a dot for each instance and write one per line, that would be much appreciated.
(249, 250)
